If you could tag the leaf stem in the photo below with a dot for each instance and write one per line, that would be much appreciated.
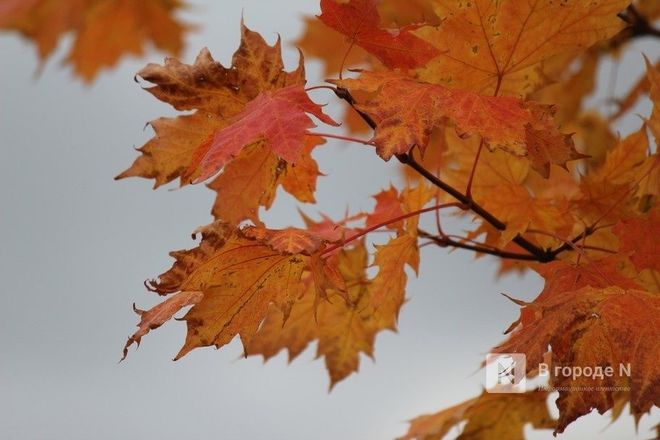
(342, 138)
(309, 89)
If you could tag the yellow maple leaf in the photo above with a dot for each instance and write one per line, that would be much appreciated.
(497, 47)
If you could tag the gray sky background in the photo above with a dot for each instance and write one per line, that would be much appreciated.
(75, 247)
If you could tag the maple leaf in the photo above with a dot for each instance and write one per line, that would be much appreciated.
(498, 47)
(545, 145)
(133, 25)
(280, 118)
(406, 112)
(639, 239)
(387, 288)
(218, 94)
(590, 327)
(231, 277)
(215, 92)
(489, 416)
(241, 286)
(359, 21)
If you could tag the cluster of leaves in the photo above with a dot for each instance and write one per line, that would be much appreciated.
(482, 104)
(104, 30)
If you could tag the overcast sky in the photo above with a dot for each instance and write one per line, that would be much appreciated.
(75, 247)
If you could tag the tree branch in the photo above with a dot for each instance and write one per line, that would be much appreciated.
(445, 241)
(539, 253)
(536, 253)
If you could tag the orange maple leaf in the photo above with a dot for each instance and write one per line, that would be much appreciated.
(388, 287)
(247, 183)
(359, 21)
(594, 327)
(218, 94)
(215, 92)
(406, 111)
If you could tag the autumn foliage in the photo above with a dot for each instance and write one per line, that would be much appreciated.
(481, 103)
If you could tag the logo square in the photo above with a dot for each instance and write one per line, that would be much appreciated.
(505, 372)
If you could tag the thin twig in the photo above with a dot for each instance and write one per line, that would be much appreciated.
(390, 221)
